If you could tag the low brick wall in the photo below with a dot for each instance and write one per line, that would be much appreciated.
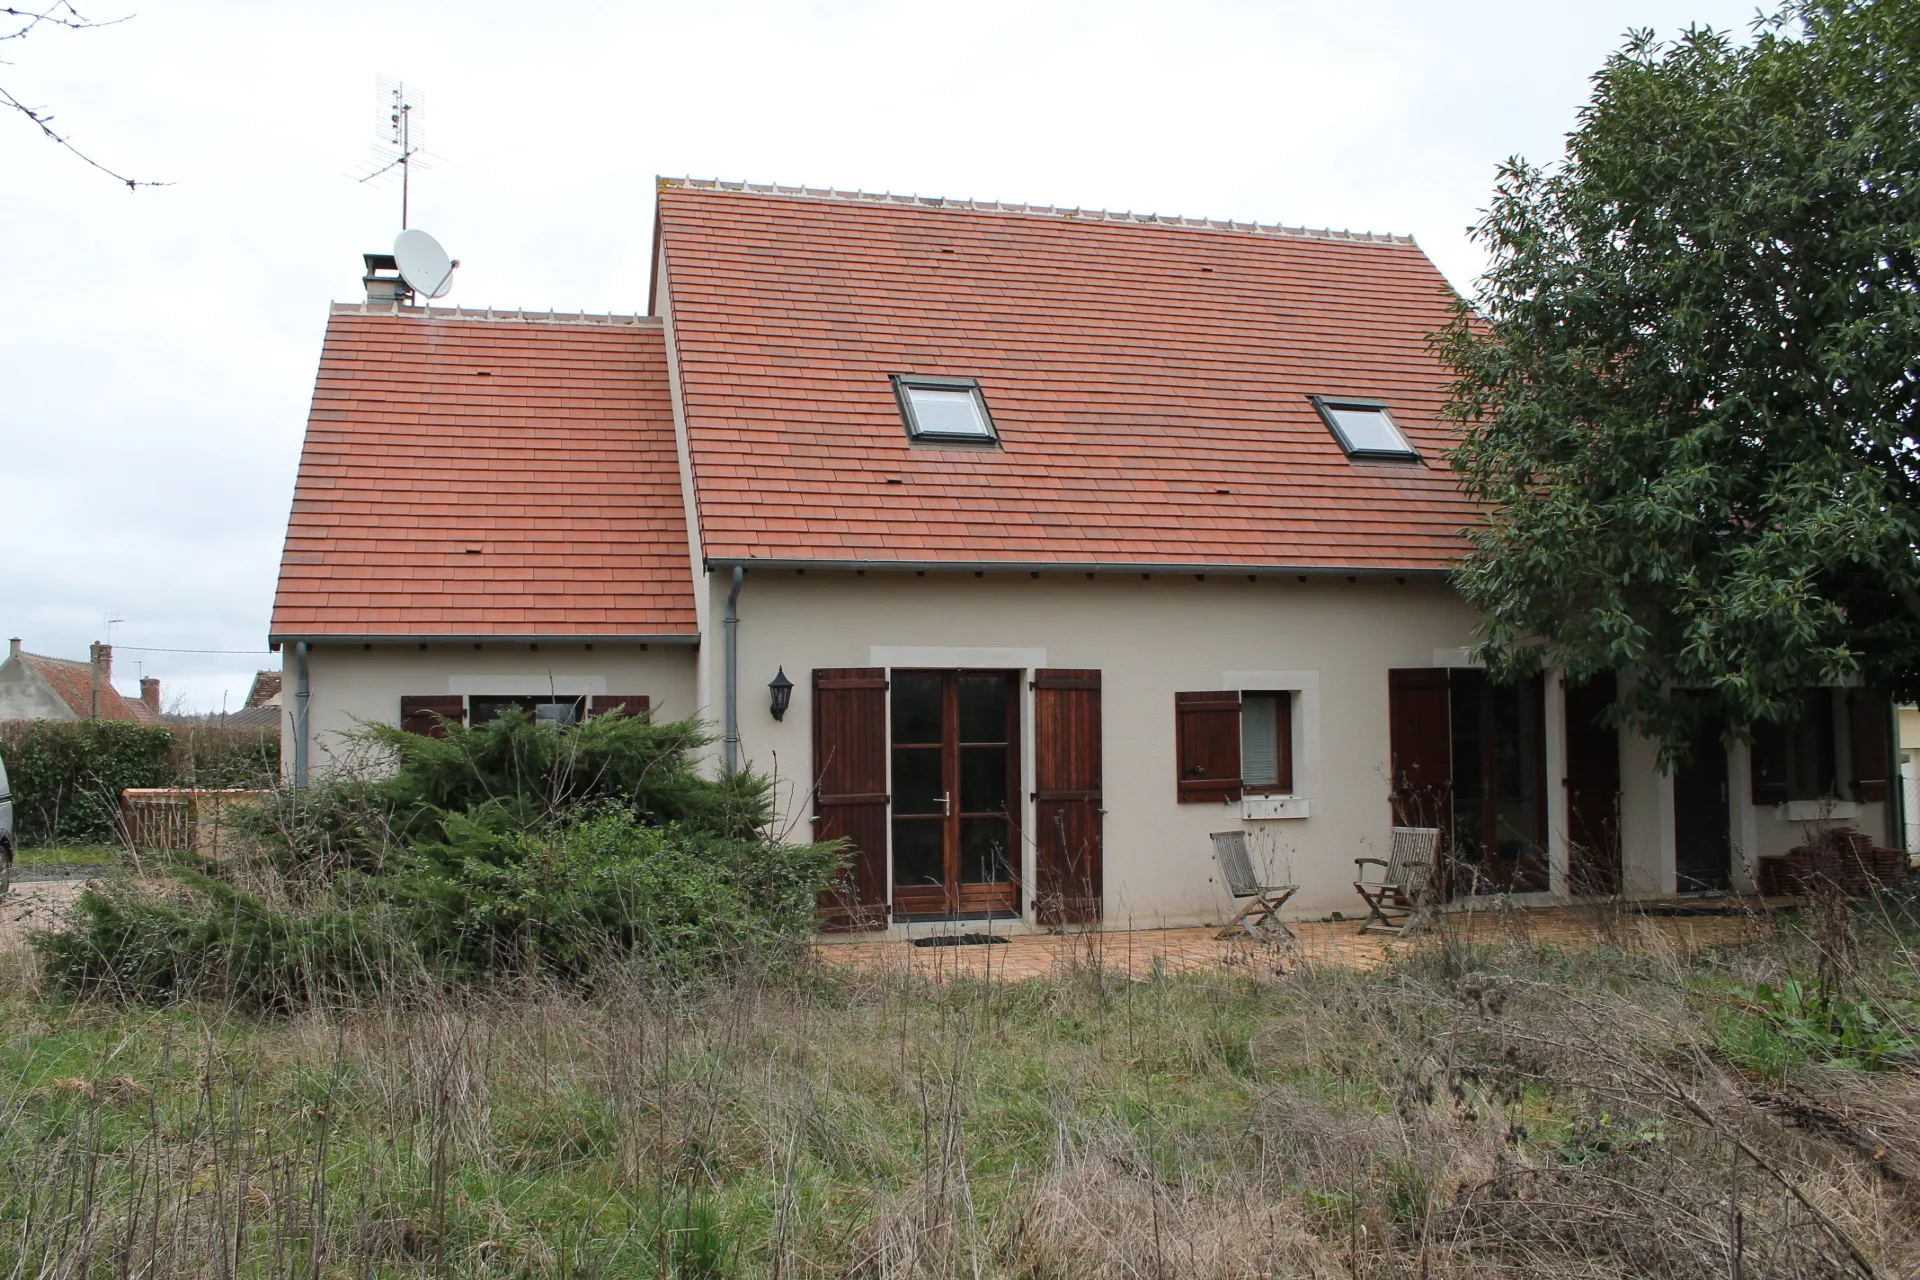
(178, 819)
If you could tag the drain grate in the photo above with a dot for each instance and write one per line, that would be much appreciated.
(959, 940)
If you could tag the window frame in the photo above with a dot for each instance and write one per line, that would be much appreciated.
(903, 383)
(1282, 785)
(1325, 406)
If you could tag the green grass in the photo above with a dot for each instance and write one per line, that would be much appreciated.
(70, 855)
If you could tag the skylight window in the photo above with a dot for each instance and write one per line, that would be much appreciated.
(1365, 429)
(944, 409)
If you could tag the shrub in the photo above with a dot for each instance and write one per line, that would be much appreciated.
(514, 849)
(599, 887)
(205, 938)
(538, 769)
(67, 776)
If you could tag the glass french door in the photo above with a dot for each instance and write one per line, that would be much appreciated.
(955, 743)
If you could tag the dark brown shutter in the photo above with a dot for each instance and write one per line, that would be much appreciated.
(1068, 799)
(1872, 758)
(1420, 734)
(1207, 730)
(1593, 787)
(635, 705)
(1768, 782)
(850, 789)
(428, 714)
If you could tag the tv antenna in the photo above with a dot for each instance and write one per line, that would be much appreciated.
(399, 135)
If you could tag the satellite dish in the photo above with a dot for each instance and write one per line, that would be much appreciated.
(423, 264)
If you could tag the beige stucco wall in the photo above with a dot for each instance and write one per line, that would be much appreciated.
(1331, 640)
(350, 685)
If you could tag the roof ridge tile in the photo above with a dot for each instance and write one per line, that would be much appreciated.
(1079, 214)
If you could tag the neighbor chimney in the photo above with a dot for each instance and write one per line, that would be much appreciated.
(150, 693)
(100, 659)
(13, 647)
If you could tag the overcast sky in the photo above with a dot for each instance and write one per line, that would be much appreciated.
(157, 348)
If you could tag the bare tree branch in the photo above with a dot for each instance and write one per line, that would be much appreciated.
(59, 14)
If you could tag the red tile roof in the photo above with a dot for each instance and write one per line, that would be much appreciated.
(73, 682)
(467, 476)
(1149, 383)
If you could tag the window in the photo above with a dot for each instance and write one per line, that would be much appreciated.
(1799, 760)
(1811, 769)
(1365, 429)
(950, 410)
(1230, 743)
(429, 714)
(484, 709)
(1266, 743)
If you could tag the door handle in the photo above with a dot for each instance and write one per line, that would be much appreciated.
(946, 804)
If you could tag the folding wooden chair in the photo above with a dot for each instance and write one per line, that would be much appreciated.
(1260, 918)
(1397, 901)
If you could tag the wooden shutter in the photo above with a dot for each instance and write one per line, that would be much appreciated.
(850, 789)
(428, 714)
(1872, 756)
(1768, 757)
(1420, 738)
(1207, 730)
(635, 705)
(1593, 787)
(1068, 800)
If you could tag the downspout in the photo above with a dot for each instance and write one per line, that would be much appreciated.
(731, 743)
(300, 693)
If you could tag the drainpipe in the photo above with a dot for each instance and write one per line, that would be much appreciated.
(731, 743)
(300, 693)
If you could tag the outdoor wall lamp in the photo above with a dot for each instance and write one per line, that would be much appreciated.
(782, 690)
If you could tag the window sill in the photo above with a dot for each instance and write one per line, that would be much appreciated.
(1271, 808)
(1818, 810)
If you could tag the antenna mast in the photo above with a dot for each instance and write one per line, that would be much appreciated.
(399, 136)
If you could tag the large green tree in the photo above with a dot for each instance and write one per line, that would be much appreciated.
(1689, 385)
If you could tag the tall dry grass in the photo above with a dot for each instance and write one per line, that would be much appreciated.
(1473, 1111)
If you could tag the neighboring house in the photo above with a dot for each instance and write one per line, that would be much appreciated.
(35, 687)
(265, 691)
(262, 709)
(1079, 536)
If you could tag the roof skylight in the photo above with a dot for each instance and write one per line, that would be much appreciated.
(944, 409)
(1365, 429)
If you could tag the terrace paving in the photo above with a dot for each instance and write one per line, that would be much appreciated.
(1137, 953)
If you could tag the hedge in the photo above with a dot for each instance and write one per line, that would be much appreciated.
(67, 776)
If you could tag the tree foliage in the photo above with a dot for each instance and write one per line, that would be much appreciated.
(1689, 392)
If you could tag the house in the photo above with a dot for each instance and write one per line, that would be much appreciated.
(262, 709)
(35, 687)
(1025, 547)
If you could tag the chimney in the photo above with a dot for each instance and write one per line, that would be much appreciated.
(100, 659)
(385, 290)
(150, 693)
(13, 647)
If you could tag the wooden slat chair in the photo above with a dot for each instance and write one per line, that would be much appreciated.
(1260, 918)
(1397, 899)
